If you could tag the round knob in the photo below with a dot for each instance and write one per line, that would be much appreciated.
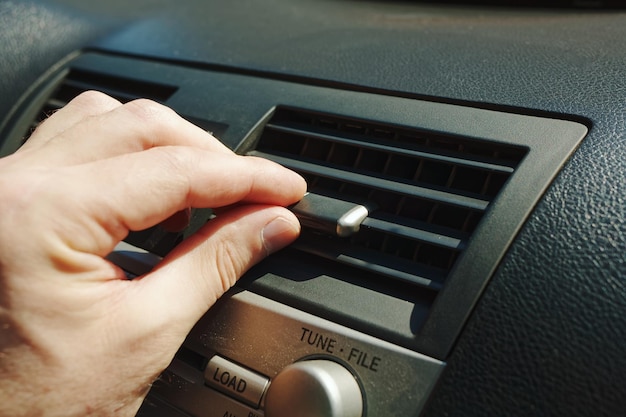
(315, 388)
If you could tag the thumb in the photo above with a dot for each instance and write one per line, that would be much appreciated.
(203, 267)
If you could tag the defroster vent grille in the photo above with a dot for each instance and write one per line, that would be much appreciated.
(428, 191)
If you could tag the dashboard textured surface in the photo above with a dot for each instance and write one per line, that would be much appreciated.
(34, 38)
(549, 334)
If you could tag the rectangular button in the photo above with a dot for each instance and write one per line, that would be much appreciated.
(196, 399)
(236, 381)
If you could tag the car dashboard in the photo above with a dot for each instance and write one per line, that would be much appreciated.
(463, 248)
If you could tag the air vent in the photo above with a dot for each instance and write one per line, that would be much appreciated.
(428, 191)
(123, 89)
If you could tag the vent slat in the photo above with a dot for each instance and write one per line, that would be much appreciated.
(124, 87)
(378, 183)
(372, 261)
(54, 104)
(80, 86)
(121, 88)
(421, 235)
(471, 163)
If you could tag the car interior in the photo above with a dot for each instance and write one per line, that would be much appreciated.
(463, 245)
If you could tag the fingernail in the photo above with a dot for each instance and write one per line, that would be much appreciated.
(278, 233)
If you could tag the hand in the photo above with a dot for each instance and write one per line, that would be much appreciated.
(76, 337)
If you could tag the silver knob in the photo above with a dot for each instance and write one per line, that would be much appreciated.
(315, 388)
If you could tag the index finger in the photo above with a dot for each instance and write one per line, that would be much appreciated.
(136, 191)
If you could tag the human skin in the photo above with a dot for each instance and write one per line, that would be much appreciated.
(76, 337)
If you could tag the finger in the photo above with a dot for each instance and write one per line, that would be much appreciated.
(136, 191)
(87, 104)
(132, 127)
(207, 264)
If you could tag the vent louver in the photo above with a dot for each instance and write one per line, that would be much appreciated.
(120, 88)
(429, 191)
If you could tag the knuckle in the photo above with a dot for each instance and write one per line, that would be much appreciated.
(228, 264)
(149, 111)
(150, 121)
(94, 99)
(175, 162)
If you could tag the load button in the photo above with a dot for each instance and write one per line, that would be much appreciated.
(236, 381)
